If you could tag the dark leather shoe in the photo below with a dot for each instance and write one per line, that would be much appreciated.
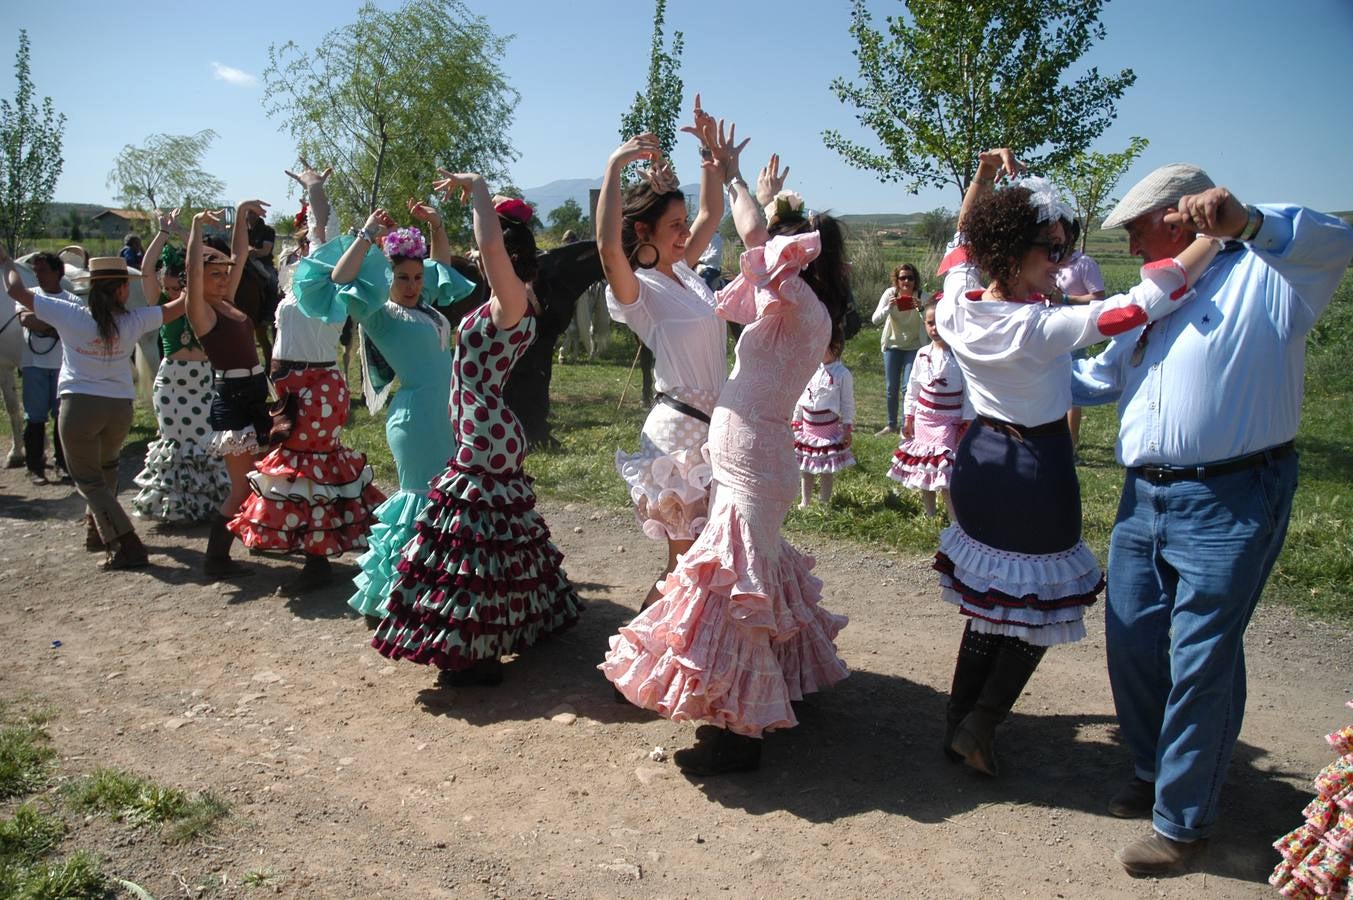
(1134, 800)
(130, 554)
(1156, 855)
(484, 673)
(718, 751)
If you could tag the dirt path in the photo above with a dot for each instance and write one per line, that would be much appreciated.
(352, 777)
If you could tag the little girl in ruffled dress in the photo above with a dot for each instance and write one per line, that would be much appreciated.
(824, 419)
(936, 412)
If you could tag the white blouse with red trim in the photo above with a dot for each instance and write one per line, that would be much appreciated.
(937, 386)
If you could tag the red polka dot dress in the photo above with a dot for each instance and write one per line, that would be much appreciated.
(480, 578)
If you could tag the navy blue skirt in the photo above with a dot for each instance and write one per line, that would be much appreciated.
(1016, 489)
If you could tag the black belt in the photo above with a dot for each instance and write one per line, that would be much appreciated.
(282, 366)
(1020, 432)
(1170, 474)
(684, 408)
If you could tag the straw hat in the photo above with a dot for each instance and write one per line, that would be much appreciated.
(1161, 189)
(107, 267)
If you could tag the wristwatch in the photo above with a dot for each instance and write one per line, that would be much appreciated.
(1253, 222)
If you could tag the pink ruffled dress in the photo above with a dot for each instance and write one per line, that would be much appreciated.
(824, 411)
(936, 406)
(1318, 855)
(737, 633)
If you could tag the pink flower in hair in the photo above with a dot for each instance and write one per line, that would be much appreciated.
(407, 242)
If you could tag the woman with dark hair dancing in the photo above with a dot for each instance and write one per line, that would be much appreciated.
(736, 633)
(310, 493)
(96, 389)
(1013, 560)
(182, 480)
(648, 252)
(239, 410)
(481, 578)
(391, 295)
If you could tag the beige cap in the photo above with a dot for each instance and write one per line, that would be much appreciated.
(1162, 189)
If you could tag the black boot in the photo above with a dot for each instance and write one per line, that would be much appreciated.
(127, 552)
(315, 575)
(218, 564)
(718, 751)
(35, 452)
(484, 673)
(976, 655)
(975, 738)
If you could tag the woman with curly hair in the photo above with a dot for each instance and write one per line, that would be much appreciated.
(736, 634)
(648, 251)
(392, 295)
(310, 494)
(1013, 561)
(182, 480)
(95, 387)
(481, 578)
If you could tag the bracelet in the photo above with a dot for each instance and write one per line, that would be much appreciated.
(1254, 220)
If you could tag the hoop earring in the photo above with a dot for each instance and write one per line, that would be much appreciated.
(639, 255)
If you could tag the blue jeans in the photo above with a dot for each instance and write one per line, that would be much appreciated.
(39, 393)
(1187, 563)
(897, 371)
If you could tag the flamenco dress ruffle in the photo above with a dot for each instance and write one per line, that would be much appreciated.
(735, 637)
(1317, 856)
(821, 449)
(310, 494)
(669, 477)
(182, 480)
(480, 579)
(925, 461)
(376, 574)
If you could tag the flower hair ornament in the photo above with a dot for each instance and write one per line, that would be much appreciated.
(299, 221)
(174, 259)
(516, 210)
(406, 242)
(660, 177)
(1044, 198)
(787, 205)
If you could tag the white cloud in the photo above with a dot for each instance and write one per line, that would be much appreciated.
(232, 75)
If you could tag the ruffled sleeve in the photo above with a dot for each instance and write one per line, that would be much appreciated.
(763, 287)
(442, 285)
(320, 298)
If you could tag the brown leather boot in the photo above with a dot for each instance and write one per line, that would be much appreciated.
(93, 543)
(218, 565)
(127, 552)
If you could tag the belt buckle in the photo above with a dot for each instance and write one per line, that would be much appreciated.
(1157, 475)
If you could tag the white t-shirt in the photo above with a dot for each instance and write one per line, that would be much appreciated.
(43, 351)
(1080, 276)
(301, 338)
(677, 322)
(90, 365)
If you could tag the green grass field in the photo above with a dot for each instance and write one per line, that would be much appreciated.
(1314, 574)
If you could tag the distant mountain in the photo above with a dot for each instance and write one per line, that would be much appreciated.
(549, 197)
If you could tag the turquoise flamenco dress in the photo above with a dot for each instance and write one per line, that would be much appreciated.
(415, 345)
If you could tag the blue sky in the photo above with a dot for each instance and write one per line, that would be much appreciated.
(1258, 93)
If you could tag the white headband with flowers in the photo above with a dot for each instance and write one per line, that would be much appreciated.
(1046, 200)
(785, 204)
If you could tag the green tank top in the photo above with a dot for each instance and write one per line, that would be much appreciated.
(176, 335)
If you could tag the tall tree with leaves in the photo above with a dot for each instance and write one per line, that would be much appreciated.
(947, 80)
(166, 172)
(658, 107)
(1088, 178)
(30, 154)
(390, 97)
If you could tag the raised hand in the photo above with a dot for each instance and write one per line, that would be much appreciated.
(209, 217)
(249, 208)
(704, 127)
(169, 222)
(1000, 161)
(424, 212)
(308, 177)
(771, 180)
(1215, 212)
(455, 185)
(725, 150)
(641, 146)
(378, 224)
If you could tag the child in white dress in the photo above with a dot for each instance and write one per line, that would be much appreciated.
(824, 419)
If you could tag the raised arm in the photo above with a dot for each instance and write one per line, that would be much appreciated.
(13, 283)
(991, 165)
(508, 302)
(239, 244)
(610, 216)
(748, 217)
(312, 187)
(377, 224)
(150, 284)
(719, 163)
(200, 314)
(440, 250)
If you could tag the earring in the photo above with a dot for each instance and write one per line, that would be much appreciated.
(639, 255)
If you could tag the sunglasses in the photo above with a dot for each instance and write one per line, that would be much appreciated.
(911, 278)
(1056, 252)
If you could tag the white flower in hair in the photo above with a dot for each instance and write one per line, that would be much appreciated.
(786, 203)
(1046, 200)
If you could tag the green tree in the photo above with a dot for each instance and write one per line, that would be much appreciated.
(948, 80)
(1088, 178)
(75, 232)
(165, 172)
(937, 227)
(30, 154)
(390, 97)
(658, 107)
(569, 215)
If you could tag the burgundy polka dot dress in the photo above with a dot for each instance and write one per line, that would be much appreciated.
(480, 578)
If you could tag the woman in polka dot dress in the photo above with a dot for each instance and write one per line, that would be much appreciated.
(402, 335)
(310, 493)
(182, 480)
(481, 578)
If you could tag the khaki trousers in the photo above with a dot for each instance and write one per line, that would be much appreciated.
(92, 430)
